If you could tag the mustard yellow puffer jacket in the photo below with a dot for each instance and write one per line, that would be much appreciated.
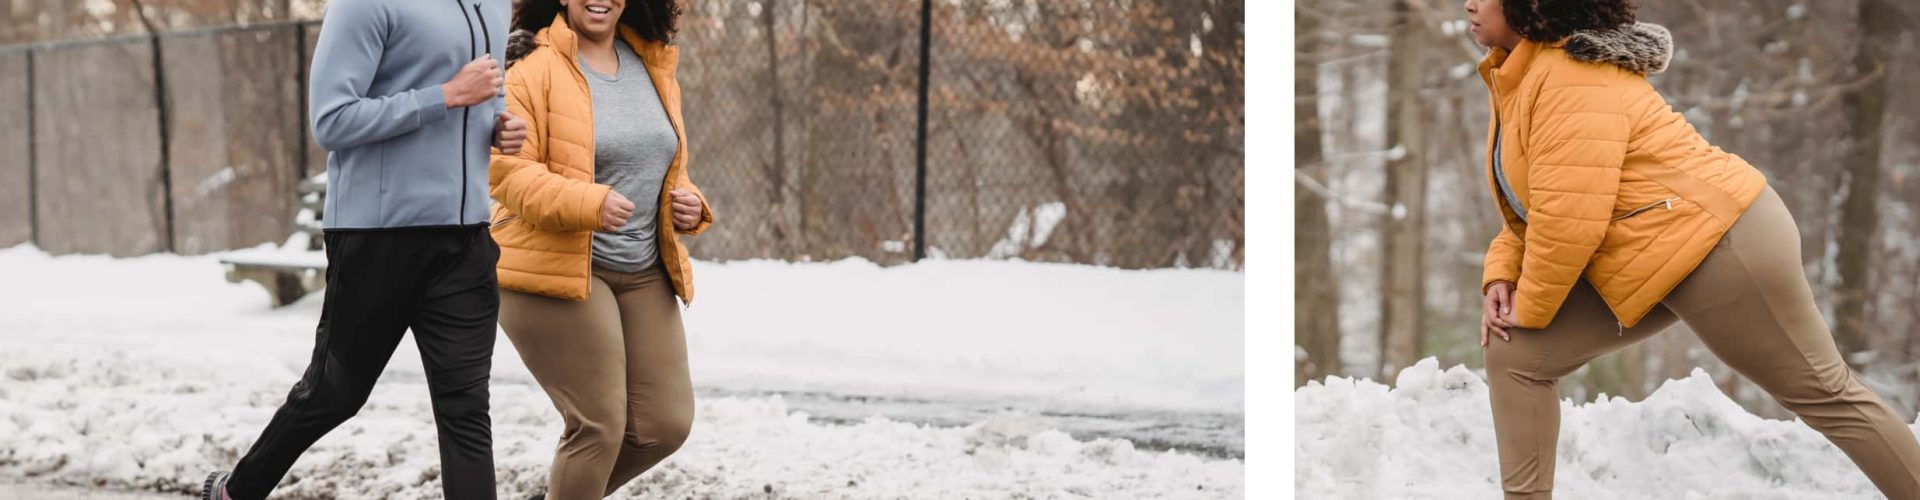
(546, 202)
(1618, 187)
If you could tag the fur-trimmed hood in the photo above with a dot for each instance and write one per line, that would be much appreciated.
(519, 44)
(1643, 48)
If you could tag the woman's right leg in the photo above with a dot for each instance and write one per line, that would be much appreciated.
(659, 387)
(1522, 378)
(577, 352)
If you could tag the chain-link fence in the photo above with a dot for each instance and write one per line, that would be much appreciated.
(1100, 132)
(188, 142)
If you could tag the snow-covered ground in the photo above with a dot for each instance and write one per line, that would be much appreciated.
(1431, 437)
(142, 374)
(44, 491)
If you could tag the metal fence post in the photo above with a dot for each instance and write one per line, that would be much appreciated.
(300, 82)
(33, 155)
(166, 149)
(920, 142)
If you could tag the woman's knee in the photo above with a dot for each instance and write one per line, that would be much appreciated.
(1832, 386)
(1520, 362)
(664, 432)
(600, 433)
(1503, 357)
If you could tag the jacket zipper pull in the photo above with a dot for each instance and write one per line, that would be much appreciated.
(1669, 203)
(1623, 329)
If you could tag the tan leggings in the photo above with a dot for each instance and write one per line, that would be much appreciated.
(616, 368)
(1750, 304)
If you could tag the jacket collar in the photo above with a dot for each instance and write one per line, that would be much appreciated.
(560, 36)
(1503, 70)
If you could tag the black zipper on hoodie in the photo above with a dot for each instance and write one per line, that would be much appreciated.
(484, 34)
(466, 113)
(488, 38)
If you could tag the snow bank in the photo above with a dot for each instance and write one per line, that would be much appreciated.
(1431, 436)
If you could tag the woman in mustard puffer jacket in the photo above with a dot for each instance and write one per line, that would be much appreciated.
(1621, 220)
(589, 216)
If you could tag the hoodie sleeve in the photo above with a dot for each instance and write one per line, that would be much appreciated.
(345, 60)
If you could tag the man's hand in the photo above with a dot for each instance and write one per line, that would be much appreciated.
(509, 133)
(614, 212)
(479, 81)
(686, 210)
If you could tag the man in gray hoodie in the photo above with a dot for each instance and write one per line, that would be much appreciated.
(405, 95)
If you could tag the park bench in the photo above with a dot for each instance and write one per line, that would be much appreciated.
(299, 266)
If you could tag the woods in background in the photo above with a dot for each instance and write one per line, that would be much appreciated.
(1393, 211)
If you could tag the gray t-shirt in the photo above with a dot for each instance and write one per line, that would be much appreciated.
(1500, 174)
(633, 143)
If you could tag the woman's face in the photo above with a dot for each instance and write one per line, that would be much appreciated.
(594, 19)
(1489, 24)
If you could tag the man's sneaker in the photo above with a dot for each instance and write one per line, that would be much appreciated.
(216, 486)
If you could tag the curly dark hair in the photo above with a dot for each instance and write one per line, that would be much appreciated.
(1549, 21)
(655, 20)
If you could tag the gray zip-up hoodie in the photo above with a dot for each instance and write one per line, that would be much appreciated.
(399, 158)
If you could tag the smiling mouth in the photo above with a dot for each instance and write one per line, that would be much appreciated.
(599, 9)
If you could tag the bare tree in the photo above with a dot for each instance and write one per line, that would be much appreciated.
(1403, 283)
(1860, 215)
(1316, 302)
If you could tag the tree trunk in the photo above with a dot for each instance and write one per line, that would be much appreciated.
(1316, 299)
(1859, 218)
(1402, 282)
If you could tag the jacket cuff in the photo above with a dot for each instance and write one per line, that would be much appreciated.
(1530, 313)
(591, 199)
(431, 104)
(706, 217)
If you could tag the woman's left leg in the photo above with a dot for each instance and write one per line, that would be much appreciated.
(659, 388)
(1751, 305)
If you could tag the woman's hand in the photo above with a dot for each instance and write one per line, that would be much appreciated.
(509, 133)
(614, 212)
(686, 210)
(1496, 312)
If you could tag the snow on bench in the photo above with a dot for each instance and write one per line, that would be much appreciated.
(298, 267)
(287, 275)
